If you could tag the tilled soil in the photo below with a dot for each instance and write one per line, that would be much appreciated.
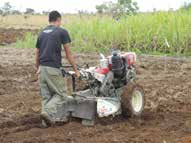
(166, 119)
(11, 35)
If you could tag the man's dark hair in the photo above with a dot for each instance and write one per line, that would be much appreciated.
(54, 15)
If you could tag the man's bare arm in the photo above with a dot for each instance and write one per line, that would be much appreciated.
(37, 60)
(70, 58)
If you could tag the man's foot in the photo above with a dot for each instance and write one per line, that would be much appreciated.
(46, 120)
(44, 125)
(60, 122)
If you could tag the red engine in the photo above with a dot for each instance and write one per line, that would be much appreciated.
(130, 58)
(116, 63)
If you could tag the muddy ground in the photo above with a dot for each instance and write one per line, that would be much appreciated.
(167, 117)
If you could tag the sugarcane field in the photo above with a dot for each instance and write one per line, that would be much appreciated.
(113, 74)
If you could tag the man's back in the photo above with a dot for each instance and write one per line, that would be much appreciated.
(50, 42)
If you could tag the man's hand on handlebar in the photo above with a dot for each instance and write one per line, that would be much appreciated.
(77, 74)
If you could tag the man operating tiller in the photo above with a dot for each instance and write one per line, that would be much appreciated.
(48, 64)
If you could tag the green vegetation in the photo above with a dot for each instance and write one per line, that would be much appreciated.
(29, 41)
(159, 32)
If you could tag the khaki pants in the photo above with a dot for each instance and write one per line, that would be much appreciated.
(53, 90)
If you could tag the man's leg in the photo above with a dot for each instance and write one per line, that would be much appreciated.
(57, 87)
(44, 90)
(46, 97)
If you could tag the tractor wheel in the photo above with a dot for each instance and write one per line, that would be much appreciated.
(132, 100)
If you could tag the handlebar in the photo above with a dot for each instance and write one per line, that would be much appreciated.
(83, 75)
(79, 67)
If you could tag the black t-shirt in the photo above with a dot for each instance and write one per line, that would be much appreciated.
(49, 43)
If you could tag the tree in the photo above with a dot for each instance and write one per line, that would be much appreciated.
(16, 12)
(108, 8)
(45, 12)
(83, 12)
(102, 8)
(128, 6)
(6, 8)
(186, 6)
(1, 12)
(121, 7)
(29, 11)
(123, 2)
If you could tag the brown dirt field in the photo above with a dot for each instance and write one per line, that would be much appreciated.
(167, 117)
(9, 36)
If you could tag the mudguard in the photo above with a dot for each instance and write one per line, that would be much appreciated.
(85, 109)
(77, 108)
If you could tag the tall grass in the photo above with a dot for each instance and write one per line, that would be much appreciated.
(141, 33)
(29, 41)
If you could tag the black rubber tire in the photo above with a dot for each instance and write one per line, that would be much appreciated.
(126, 98)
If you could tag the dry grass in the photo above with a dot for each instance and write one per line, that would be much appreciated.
(22, 21)
(34, 21)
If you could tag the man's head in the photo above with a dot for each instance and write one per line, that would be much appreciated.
(55, 18)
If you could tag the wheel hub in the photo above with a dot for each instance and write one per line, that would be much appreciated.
(137, 101)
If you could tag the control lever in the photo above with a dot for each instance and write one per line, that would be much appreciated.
(72, 73)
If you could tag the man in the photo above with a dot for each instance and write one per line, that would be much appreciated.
(48, 63)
